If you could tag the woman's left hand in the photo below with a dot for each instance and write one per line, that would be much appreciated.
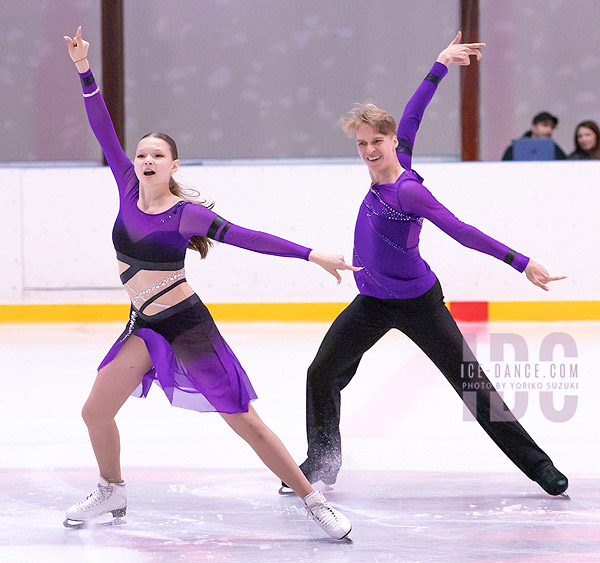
(538, 275)
(460, 53)
(332, 263)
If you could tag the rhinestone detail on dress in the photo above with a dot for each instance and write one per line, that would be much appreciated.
(140, 296)
(132, 319)
(173, 212)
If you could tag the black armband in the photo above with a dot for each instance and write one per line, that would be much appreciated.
(404, 146)
(224, 230)
(433, 78)
(87, 80)
(215, 226)
(510, 256)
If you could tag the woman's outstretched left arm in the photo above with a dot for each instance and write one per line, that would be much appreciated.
(198, 220)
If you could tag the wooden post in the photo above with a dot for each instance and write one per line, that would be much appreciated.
(113, 80)
(469, 84)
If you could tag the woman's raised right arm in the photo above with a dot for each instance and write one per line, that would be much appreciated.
(98, 115)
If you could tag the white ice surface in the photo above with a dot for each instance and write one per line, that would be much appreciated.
(412, 465)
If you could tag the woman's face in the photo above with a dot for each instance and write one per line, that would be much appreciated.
(586, 138)
(154, 162)
(376, 149)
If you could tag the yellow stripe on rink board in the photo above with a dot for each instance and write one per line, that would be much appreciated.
(63, 313)
(544, 311)
(238, 312)
(298, 312)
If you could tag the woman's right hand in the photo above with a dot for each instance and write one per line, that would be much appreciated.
(78, 50)
(331, 263)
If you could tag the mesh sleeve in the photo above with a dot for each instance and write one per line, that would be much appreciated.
(103, 129)
(413, 113)
(198, 220)
(416, 199)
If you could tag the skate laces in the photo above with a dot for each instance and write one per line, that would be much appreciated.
(323, 513)
(96, 497)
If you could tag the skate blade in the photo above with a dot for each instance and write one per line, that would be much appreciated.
(285, 491)
(74, 524)
(346, 537)
(83, 524)
(117, 520)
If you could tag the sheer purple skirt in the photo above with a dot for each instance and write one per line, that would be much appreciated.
(192, 363)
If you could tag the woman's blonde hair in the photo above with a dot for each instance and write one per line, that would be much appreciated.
(368, 114)
(197, 243)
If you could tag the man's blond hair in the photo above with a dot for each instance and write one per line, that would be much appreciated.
(368, 114)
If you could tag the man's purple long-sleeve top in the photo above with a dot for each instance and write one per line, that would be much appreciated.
(386, 236)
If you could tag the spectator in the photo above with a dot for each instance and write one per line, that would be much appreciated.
(542, 127)
(587, 142)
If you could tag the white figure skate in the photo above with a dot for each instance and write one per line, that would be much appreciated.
(331, 520)
(108, 497)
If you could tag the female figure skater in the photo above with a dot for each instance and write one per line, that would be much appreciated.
(171, 337)
(399, 290)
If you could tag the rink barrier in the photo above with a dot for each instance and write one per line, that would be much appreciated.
(466, 311)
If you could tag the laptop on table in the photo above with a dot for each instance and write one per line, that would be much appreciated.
(533, 149)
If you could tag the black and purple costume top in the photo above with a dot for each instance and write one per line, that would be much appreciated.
(191, 362)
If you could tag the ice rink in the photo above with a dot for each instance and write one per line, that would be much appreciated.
(420, 482)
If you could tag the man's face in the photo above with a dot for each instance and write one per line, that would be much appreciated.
(542, 129)
(376, 149)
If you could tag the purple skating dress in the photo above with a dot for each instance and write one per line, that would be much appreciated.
(192, 363)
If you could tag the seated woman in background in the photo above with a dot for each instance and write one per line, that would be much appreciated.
(587, 141)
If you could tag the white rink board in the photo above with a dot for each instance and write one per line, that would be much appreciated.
(58, 224)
